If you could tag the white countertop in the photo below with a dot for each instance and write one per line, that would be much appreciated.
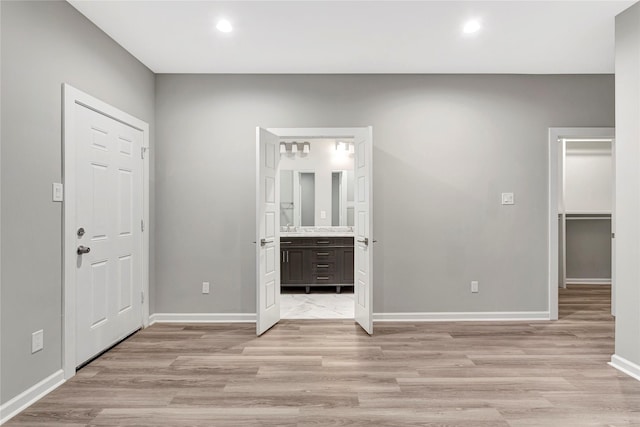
(316, 234)
(338, 231)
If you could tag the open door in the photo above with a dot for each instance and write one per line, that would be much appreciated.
(363, 231)
(267, 231)
(613, 229)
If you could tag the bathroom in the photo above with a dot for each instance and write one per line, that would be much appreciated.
(316, 228)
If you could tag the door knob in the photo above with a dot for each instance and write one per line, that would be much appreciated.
(83, 250)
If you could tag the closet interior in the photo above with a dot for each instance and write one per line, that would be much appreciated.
(585, 206)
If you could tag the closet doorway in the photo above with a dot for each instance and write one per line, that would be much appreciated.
(310, 233)
(581, 211)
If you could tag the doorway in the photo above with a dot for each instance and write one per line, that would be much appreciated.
(105, 249)
(581, 211)
(286, 210)
(317, 228)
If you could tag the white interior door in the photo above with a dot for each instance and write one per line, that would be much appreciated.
(109, 211)
(613, 228)
(267, 231)
(363, 232)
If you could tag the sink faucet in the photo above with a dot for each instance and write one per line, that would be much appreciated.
(288, 227)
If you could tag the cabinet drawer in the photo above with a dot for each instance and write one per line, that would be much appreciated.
(320, 278)
(294, 241)
(319, 254)
(320, 267)
(324, 241)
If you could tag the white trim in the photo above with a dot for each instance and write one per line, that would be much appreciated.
(625, 366)
(462, 316)
(588, 281)
(31, 395)
(377, 317)
(556, 135)
(70, 97)
(202, 318)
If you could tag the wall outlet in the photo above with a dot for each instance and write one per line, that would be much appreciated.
(508, 199)
(205, 287)
(37, 341)
(474, 286)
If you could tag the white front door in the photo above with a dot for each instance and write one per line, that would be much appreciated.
(363, 285)
(267, 231)
(109, 209)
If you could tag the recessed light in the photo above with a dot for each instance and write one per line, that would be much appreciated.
(471, 26)
(224, 26)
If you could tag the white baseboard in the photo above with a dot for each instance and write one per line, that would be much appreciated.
(202, 318)
(377, 317)
(626, 366)
(462, 316)
(579, 281)
(28, 397)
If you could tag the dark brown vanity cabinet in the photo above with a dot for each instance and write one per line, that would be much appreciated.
(316, 261)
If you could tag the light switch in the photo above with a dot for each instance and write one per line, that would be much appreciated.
(37, 341)
(58, 192)
(508, 199)
(323, 214)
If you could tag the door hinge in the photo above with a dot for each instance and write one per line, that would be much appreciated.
(141, 297)
(142, 225)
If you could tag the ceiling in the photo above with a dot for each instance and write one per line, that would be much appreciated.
(523, 37)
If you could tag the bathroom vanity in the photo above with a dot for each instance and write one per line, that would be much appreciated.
(314, 259)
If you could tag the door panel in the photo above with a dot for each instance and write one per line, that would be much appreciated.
(268, 224)
(108, 206)
(363, 244)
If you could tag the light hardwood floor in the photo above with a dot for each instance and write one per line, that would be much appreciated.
(329, 373)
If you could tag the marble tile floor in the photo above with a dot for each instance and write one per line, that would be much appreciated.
(316, 306)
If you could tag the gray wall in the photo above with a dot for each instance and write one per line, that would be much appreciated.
(627, 241)
(589, 249)
(445, 147)
(43, 45)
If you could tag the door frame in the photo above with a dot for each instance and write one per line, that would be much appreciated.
(332, 133)
(70, 97)
(555, 167)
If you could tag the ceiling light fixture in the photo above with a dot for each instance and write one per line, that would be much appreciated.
(224, 26)
(471, 26)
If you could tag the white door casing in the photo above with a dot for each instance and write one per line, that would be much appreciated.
(267, 231)
(106, 193)
(363, 139)
(556, 208)
(363, 241)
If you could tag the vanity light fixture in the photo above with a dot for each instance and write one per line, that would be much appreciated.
(294, 147)
(283, 148)
(306, 148)
(352, 149)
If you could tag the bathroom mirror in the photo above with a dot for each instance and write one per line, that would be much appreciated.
(297, 198)
(342, 198)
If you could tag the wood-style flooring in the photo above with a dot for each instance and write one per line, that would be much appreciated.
(330, 373)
